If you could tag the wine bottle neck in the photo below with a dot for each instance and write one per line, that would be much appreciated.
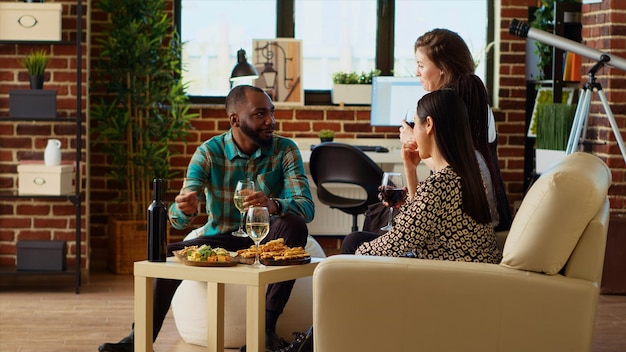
(157, 188)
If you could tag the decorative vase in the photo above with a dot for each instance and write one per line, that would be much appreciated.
(36, 82)
(52, 154)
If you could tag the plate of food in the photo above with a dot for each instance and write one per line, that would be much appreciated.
(274, 253)
(204, 255)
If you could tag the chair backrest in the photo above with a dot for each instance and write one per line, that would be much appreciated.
(333, 162)
(563, 219)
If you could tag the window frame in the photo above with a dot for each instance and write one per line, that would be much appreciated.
(285, 28)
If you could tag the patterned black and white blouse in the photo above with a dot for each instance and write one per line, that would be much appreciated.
(433, 225)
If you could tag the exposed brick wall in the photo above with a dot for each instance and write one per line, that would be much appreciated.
(604, 29)
(32, 218)
(604, 22)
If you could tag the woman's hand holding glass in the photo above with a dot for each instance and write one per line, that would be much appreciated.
(406, 132)
(392, 193)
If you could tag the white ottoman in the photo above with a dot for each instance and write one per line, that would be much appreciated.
(189, 307)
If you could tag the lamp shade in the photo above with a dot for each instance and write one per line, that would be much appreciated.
(269, 75)
(243, 69)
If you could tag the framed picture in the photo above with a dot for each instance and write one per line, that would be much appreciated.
(544, 95)
(279, 63)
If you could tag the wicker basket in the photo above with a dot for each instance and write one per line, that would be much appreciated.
(128, 243)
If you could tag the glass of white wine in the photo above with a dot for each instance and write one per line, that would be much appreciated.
(258, 225)
(244, 188)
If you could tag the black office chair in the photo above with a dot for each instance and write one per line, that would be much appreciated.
(333, 162)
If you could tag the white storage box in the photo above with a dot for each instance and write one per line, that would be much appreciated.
(545, 159)
(30, 21)
(39, 179)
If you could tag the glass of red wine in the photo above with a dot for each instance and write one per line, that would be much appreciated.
(392, 192)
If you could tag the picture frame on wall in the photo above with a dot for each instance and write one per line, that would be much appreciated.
(279, 63)
(544, 95)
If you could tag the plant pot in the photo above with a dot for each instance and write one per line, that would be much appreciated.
(352, 94)
(326, 139)
(545, 159)
(128, 243)
(36, 82)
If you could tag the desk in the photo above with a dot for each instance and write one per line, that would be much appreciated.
(216, 278)
(392, 157)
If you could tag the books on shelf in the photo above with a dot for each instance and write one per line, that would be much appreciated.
(571, 66)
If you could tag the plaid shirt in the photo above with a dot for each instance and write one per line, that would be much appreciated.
(218, 164)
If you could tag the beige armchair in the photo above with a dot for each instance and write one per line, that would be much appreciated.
(541, 297)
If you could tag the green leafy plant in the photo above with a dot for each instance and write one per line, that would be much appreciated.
(554, 124)
(354, 77)
(36, 62)
(326, 134)
(139, 106)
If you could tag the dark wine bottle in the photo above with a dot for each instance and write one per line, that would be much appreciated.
(157, 224)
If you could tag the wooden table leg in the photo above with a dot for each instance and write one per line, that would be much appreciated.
(255, 318)
(143, 313)
(215, 325)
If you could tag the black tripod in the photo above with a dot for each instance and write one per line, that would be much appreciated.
(579, 127)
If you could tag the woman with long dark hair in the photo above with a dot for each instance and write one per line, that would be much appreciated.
(447, 216)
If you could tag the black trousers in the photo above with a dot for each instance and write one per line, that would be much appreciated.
(355, 239)
(290, 227)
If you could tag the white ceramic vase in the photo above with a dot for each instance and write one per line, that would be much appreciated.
(52, 154)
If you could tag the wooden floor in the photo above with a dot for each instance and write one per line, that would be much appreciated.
(48, 316)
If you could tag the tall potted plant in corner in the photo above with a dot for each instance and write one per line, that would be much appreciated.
(139, 109)
(353, 88)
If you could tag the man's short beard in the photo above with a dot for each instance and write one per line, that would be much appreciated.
(255, 136)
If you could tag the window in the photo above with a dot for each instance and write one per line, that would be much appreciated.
(337, 35)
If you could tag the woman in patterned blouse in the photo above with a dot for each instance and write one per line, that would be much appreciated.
(447, 216)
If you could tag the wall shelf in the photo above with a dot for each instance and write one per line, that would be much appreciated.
(571, 31)
(76, 197)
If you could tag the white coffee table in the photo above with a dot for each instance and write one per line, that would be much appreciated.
(215, 277)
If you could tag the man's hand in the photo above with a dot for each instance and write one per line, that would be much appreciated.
(187, 202)
(260, 199)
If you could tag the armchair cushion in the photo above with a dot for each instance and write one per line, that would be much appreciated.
(551, 219)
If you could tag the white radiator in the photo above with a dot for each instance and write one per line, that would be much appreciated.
(329, 221)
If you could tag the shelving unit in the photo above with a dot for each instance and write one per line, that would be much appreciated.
(571, 31)
(76, 197)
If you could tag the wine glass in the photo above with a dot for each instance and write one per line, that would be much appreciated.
(244, 188)
(258, 225)
(392, 191)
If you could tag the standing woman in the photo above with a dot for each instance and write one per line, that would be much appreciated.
(444, 60)
(447, 216)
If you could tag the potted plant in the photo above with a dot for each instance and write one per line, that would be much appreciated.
(326, 135)
(554, 124)
(35, 63)
(35, 102)
(353, 88)
(139, 109)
